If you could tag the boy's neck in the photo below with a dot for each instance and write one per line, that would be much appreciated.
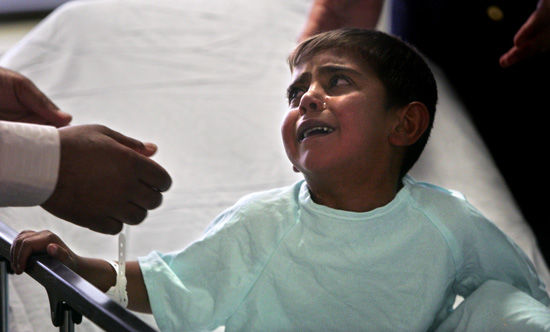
(354, 194)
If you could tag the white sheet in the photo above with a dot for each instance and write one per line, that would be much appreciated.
(205, 80)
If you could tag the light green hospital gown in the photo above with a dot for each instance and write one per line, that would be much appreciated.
(277, 261)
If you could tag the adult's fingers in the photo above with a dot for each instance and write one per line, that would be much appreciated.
(150, 149)
(149, 171)
(147, 197)
(32, 118)
(116, 177)
(146, 149)
(515, 55)
(533, 37)
(527, 30)
(152, 174)
(130, 213)
(106, 225)
(37, 102)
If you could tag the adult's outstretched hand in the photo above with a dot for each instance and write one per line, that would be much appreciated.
(22, 101)
(533, 38)
(105, 179)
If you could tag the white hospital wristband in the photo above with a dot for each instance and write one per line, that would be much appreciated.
(118, 292)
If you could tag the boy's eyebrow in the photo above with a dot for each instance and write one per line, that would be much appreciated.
(337, 68)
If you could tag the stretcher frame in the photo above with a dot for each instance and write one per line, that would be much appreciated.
(70, 296)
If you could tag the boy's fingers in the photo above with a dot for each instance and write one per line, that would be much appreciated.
(58, 252)
(28, 243)
(21, 254)
(16, 248)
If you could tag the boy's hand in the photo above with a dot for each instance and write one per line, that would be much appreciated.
(30, 242)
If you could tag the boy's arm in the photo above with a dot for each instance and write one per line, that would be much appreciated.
(489, 254)
(138, 300)
(498, 306)
(97, 271)
(102, 275)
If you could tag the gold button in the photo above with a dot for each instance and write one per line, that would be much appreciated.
(495, 13)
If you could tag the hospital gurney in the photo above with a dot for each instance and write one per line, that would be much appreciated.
(69, 295)
(205, 80)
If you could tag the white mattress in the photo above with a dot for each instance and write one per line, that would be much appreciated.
(205, 81)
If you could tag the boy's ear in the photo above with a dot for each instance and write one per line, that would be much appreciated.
(412, 121)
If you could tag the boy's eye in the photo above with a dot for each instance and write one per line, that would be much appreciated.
(338, 80)
(294, 95)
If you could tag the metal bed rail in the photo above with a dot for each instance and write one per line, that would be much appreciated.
(70, 296)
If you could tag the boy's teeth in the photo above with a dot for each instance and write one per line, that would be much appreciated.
(324, 130)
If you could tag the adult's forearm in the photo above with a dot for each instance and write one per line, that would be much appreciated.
(327, 15)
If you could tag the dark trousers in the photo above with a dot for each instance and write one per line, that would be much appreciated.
(510, 106)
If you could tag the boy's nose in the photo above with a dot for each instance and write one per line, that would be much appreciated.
(311, 103)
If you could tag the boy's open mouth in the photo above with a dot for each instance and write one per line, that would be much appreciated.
(309, 129)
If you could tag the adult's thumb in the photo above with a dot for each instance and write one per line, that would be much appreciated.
(146, 149)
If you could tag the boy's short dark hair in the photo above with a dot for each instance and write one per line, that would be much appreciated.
(398, 65)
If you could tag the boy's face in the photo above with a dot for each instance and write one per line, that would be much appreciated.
(337, 120)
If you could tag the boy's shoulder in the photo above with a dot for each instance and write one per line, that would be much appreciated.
(444, 204)
(458, 221)
(425, 190)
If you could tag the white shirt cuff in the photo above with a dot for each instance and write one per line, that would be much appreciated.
(29, 163)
